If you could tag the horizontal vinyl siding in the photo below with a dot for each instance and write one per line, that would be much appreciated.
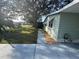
(69, 23)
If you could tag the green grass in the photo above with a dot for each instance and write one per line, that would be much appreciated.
(25, 34)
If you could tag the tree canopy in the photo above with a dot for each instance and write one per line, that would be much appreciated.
(30, 9)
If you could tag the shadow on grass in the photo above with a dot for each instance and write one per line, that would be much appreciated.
(28, 36)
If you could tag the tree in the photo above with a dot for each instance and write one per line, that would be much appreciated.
(37, 8)
(31, 9)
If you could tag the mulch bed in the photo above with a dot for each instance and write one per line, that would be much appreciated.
(48, 39)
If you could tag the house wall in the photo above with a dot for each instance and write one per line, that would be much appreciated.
(47, 24)
(53, 32)
(69, 23)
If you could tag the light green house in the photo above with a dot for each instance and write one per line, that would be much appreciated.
(65, 21)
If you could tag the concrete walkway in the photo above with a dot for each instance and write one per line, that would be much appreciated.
(55, 51)
(41, 38)
(17, 51)
(40, 50)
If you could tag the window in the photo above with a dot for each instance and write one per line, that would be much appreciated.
(51, 23)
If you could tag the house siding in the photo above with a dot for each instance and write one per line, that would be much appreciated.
(53, 31)
(69, 23)
(55, 27)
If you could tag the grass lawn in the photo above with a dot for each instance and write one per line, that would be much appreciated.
(25, 34)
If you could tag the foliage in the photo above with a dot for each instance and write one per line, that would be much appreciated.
(26, 34)
(30, 9)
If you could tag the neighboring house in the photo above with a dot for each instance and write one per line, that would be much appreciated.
(64, 23)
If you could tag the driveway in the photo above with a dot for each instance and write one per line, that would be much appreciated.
(40, 50)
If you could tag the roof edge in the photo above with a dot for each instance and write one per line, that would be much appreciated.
(65, 7)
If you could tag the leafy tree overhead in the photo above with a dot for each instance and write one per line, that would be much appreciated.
(30, 9)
